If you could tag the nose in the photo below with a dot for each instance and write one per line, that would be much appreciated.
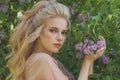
(59, 37)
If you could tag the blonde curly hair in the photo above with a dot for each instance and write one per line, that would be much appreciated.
(28, 30)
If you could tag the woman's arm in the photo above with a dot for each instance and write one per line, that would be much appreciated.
(83, 75)
(87, 66)
(91, 68)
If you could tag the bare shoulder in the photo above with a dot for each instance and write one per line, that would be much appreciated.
(38, 61)
(39, 57)
(40, 65)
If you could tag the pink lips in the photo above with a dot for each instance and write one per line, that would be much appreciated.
(57, 45)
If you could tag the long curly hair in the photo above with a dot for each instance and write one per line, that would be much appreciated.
(27, 32)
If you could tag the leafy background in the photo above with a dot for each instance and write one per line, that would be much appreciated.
(96, 17)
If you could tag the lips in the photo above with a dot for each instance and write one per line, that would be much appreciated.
(57, 45)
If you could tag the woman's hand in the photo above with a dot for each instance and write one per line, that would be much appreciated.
(93, 56)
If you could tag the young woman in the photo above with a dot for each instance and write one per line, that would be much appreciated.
(39, 35)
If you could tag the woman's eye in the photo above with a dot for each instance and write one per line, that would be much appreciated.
(64, 33)
(53, 31)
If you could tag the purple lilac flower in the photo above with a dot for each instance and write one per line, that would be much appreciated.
(90, 42)
(113, 53)
(2, 35)
(81, 17)
(79, 46)
(79, 55)
(0, 42)
(21, 1)
(87, 51)
(88, 16)
(100, 43)
(111, 1)
(24, 1)
(86, 41)
(27, 1)
(72, 10)
(104, 59)
(4, 8)
(84, 45)
(93, 47)
(87, 33)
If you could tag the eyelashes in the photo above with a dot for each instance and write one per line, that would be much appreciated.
(56, 31)
(64, 33)
(53, 31)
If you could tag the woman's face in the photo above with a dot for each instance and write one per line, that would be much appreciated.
(53, 35)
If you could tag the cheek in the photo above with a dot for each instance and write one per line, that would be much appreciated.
(47, 35)
(64, 39)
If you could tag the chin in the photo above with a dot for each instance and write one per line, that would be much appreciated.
(55, 51)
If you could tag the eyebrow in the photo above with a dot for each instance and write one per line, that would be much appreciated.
(57, 28)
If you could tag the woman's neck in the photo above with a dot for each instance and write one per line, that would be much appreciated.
(39, 49)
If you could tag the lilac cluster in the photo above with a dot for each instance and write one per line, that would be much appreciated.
(83, 18)
(72, 10)
(24, 1)
(2, 36)
(88, 46)
(104, 59)
(3, 8)
(113, 54)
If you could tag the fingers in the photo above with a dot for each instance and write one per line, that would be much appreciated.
(99, 52)
(101, 37)
(93, 57)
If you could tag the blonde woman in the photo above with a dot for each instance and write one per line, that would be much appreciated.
(39, 35)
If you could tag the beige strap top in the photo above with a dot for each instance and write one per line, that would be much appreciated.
(41, 66)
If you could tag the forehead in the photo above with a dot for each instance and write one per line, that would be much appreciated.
(57, 22)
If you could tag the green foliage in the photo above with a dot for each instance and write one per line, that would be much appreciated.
(105, 21)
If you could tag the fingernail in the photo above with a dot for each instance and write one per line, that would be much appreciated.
(102, 48)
